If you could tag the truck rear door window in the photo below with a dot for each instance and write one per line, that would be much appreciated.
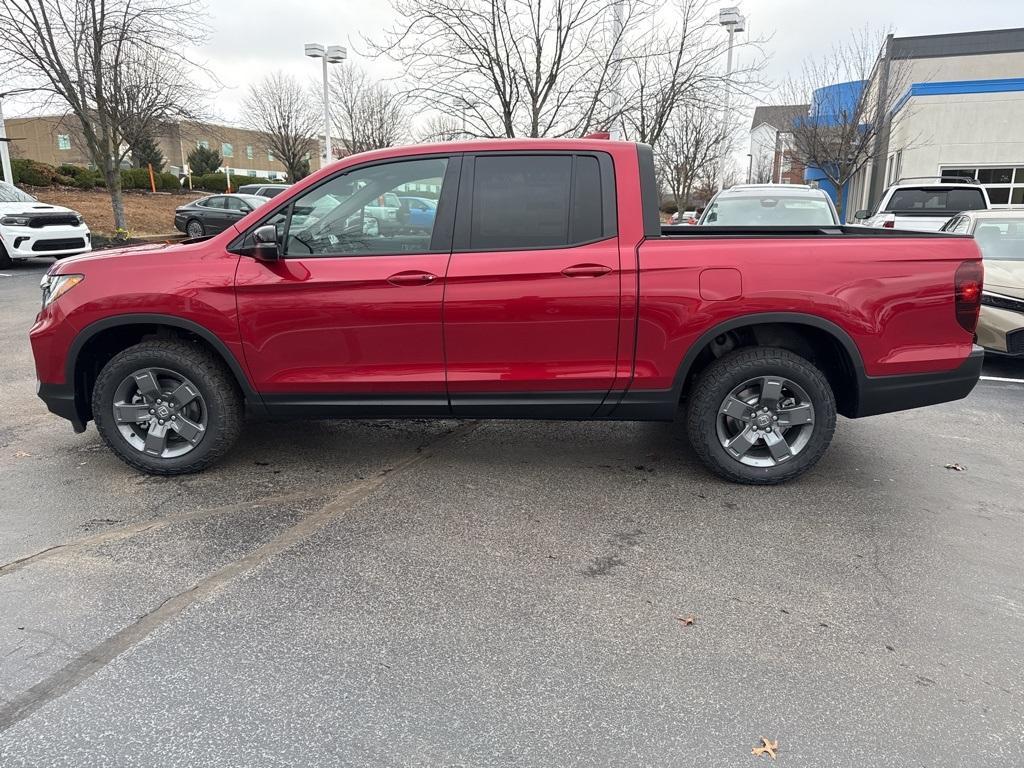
(535, 201)
(939, 200)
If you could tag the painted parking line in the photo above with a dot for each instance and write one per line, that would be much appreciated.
(4, 274)
(1002, 378)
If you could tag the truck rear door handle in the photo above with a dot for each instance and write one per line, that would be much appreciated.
(586, 270)
(412, 278)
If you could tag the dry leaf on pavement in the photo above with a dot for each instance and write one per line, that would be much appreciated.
(687, 620)
(766, 748)
(956, 467)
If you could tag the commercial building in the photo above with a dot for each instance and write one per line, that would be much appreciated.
(51, 139)
(947, 106)
(960, 113)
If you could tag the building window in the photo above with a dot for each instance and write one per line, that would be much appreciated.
(226, 150)
(1004, 184)
(63, 141)
(270, 156)
(204, 144)
(249, 152)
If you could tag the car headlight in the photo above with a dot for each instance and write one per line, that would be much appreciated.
(14, 221)
(55, 286)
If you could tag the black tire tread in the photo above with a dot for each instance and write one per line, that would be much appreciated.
(224, 393)
(733, 367)
(5, 258)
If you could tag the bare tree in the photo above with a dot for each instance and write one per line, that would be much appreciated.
(441, 128)
(839, 134)
(667, 65)
(149, 92)
(81, 51)
(688, 151)
(762, 169)
(513, 67)
(366, 113)
(285, 116)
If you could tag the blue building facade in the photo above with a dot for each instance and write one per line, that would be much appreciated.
(832, 105)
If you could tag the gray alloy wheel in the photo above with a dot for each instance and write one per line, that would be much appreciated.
(765, 421)
(195, 228)
(160, 413)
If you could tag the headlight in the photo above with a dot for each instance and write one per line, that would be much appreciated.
(55, 286)
(14, 221)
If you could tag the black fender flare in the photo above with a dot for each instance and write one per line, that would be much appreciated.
(761, 318)
(90, 331)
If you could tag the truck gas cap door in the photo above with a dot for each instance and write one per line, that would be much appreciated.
(720, 284)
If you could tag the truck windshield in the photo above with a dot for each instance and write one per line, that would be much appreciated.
(779, 211)
(1001, 240)
(938, 201)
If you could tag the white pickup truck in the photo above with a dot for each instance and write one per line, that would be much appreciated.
(924, 206)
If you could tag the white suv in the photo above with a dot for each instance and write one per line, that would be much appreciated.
(924, 206)
(29, 228)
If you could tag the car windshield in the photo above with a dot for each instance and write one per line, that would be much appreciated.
(11, 194)
(938, 201)
(766, 210)
(1000, 239)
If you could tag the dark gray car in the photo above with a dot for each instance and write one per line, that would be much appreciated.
(213, 214)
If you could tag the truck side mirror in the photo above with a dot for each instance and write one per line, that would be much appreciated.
(265, 246)
(862, 214)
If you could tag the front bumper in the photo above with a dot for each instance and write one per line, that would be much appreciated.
(32, 242)
(885, 394)
(1001, 330)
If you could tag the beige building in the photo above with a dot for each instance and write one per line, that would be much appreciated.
(51, 139)
(959, 115)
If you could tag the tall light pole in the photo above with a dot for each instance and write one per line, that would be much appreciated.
(732, 20)
(615, 76)
(332, 54)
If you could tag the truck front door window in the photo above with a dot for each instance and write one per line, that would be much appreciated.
(357, 213)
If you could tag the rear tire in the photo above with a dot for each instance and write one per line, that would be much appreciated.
(760, 415)
(194, 228)
(210, 413)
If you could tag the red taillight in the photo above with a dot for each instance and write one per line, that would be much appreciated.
(967, 285)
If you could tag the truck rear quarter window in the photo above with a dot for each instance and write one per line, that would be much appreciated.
(535, 201)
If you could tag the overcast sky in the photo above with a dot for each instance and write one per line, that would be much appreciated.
(250, 38)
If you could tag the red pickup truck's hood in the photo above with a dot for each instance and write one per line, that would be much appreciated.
(130, 250)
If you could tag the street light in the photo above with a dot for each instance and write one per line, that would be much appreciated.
(732, 20)
(332, 54)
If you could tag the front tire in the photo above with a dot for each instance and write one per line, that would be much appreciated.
(167, 407)
(761, 415)
(5, 258)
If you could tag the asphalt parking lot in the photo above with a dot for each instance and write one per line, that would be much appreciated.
(442, 593)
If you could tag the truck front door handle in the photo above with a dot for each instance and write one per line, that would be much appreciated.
(586, 270)
(412, 278)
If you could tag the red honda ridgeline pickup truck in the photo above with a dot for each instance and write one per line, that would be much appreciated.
(541, 286)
